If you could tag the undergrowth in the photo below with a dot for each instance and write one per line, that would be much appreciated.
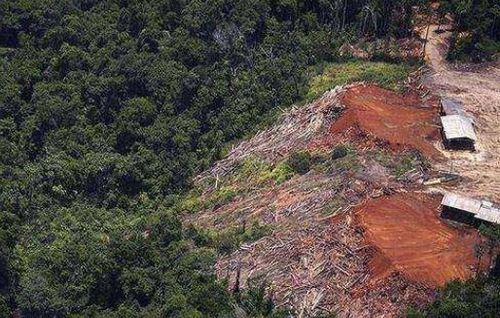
(349, 159)
(400, 164)
(251, 173)
(229, 239)
(387, 75)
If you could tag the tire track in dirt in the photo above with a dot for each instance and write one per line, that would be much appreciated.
(412, 239)
(478, 87)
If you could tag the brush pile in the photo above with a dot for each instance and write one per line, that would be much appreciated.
(318, 255)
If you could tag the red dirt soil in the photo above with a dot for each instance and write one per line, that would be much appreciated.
(412, 239)
(398, 119)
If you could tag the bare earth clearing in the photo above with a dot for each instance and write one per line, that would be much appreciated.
(401, 120)
(413, 238)
(357, 235)
(478, 87)
(348, 238)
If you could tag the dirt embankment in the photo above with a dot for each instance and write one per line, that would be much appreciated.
(413, 240)
(402, 120)
(412, 252)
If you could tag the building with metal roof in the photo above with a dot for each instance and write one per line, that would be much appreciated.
(458, 132)
(451, 106)
(470, 209)
(461, 203)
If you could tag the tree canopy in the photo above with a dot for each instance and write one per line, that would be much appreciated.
(477, 28)
(107, 108)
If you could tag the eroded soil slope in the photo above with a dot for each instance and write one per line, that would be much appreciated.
(353, 235)
(401, 120)
(414, 240)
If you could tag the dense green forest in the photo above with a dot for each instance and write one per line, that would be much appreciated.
(476, 28)
(107, 108)
(476, 298)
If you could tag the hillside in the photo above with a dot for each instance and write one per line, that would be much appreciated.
(235, 158)
(477, 86)
(357, 234)
(353, 234)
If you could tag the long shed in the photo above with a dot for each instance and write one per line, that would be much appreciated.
(468, 210)
(462, 203)
(488, 213)
(451, 106)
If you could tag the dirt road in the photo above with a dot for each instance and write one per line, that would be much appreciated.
(478, 87)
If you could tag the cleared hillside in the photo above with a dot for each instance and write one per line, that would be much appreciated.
(354, 235)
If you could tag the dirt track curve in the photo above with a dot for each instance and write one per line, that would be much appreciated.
(478, 87)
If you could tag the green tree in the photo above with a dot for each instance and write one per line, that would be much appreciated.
(108, 108)
(477, 28)
(300, 161)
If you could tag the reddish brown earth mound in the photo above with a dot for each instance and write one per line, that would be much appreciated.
(412, 239)
(398, 119)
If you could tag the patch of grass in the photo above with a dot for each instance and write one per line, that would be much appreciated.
(193, 201)
(251, 168)
(190, 202)
(280, 173)
(222, 196)
(349, 161)
(404, 164)
(252, 172)
(399, 164)
(387, 75)
(255, 172)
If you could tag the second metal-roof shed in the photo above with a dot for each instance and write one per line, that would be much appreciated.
(470, 209)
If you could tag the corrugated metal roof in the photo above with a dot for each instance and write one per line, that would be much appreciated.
(456, 201)
(456, 126)
(490, 214)
(452, 106)
(482, 210)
